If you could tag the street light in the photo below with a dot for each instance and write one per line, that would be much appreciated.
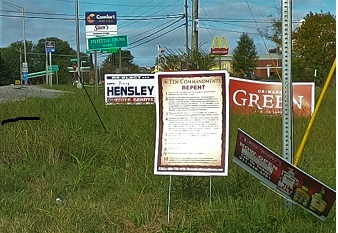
(22, 9)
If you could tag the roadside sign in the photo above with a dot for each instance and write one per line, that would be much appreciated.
(283, 177)
(50, 46)
(25, 76)
(98, 43)
(53, 68)
(110, 50)
(73, 60)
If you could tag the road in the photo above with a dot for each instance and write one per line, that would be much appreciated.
(14, 93)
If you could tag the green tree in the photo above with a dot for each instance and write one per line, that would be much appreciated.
(61, 57)
(11, 56)
(245, 56)
(111, 63)
(180, 60)
(314, 47)
(5, 77)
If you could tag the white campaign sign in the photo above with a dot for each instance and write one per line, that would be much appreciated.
(130, 89)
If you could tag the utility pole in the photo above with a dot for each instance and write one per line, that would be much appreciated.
(194, 45)
(79, 85)
(186, 28)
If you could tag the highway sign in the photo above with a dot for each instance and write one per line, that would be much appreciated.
(98, 43)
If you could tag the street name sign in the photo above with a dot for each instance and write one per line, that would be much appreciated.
(98, 43)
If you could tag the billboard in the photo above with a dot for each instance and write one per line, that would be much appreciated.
(250, 96)
(192, 118)
(282, 177)
(129, 89)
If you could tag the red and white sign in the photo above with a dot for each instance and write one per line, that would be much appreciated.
(282, 177)
(249, 96)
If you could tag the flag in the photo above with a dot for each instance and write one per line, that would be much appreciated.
(159, 49)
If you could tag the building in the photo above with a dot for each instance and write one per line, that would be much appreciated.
(266, 67)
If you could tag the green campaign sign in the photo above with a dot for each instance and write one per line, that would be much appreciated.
(98, 43)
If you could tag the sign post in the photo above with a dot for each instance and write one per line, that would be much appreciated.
(49, 48)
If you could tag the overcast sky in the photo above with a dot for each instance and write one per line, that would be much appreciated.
(148, 23)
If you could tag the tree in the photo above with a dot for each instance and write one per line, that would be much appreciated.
(11, 57)
(61, 57)
(180, 60)
(128, 67)
(314, 47)
(5, 77)
(245, 55)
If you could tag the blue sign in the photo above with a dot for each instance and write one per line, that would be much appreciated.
(50, 46)
(24, 76)
(101, 18)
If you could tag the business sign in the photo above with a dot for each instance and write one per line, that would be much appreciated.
(249, 96)
(101, 18)
(282, 177)
(219, 46)
(98, 43)
(100, 24)
(129, 89)
(50, 46)
(192, 118)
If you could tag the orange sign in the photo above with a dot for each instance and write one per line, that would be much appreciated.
(248, 96)
(219, 46)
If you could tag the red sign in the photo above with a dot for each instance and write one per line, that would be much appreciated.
(249, 96)
(284, 178)
(220, 51)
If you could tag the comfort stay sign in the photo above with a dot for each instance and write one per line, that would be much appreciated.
(249, 96)
(129, 89)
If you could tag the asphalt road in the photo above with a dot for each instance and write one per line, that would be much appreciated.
(15, 93)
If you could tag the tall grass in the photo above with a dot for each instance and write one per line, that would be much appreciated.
(64, 173)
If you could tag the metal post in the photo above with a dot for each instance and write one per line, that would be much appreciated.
(287, 115)
(50, 70)
(96, 79)
(47, 76)
(120, 61)
(77, 41)
(169, 199)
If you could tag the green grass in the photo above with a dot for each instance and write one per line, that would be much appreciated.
(106, 180)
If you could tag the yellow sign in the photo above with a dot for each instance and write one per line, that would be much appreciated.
(219, 46)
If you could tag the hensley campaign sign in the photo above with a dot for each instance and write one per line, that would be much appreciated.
(129, 89)
(250, 96)
(192, 116)
(282, 177)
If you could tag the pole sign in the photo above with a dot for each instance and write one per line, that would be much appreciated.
(100, 24)
(129, 89)
(101, 18)
(192, 118)
(219, 46)
(282, 177)
(50, 46)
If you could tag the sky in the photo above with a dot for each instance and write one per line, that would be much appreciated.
(149, 23)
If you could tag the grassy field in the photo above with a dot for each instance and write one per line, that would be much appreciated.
(65, 173)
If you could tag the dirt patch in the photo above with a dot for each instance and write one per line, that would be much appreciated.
(15, 93)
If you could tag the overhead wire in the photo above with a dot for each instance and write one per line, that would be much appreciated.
(266, 47)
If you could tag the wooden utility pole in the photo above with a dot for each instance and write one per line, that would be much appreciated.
(194, 45)
(186, 28)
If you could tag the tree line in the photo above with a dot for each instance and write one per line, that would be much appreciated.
(313, 52)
